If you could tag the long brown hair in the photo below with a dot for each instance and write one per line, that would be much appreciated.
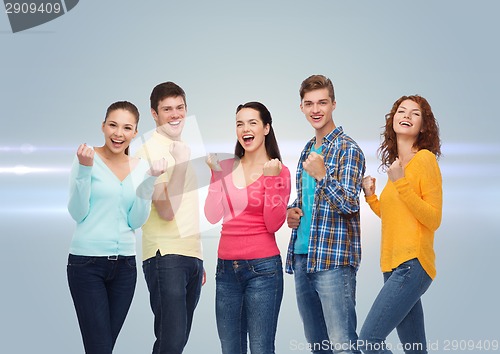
(270, 142)
(428, 138)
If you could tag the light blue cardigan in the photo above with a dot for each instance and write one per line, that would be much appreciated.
(107, 210)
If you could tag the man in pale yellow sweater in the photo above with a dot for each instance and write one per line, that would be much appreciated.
(171, 245)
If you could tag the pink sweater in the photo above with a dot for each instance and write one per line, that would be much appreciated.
(250, 215)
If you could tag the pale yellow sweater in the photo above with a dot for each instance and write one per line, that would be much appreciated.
(410, 210)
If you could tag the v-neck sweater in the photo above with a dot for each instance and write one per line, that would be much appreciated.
(107, 210)
(251, 215)
(410, 210)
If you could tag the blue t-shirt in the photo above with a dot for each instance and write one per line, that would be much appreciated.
(308, 190)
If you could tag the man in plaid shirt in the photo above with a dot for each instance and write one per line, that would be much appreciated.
(325, 246)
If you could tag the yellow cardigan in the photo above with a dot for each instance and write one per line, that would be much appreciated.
(410, 210)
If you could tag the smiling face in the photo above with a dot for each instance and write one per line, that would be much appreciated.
(408, 119)
(119, 128)
(318, 107)
(250, 130)
(169, 117)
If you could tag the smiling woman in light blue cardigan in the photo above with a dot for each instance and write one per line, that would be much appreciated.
(110, 197)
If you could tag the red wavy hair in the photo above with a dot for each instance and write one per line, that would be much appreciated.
(427, 139)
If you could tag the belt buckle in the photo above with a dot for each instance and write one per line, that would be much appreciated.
(113, 258)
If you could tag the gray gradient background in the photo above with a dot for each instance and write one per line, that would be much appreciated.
(57, 80)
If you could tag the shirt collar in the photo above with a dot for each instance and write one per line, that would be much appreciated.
(330, 137)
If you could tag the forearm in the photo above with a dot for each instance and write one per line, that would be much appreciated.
(141, 208)
(167, 196)
(214, 209)
(342, 194)
(374, 203)
(427, 209)
(276, 197)
(341, 185)
(79, 194)
(175, 187)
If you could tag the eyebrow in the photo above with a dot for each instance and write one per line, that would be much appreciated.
(169, 107)
(319, 101)
(126, 124)
(414, 109)
(249, 120)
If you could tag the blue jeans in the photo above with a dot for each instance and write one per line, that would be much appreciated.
(102, 291)
(326, 302)
(247, 301)
(174, 284)
(398, 306)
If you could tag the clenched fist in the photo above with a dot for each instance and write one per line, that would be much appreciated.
(272, 168)
(315, 166)
(158, 167)
(293, 216)
(180, 151)
(212, 161)
(395, 171)
(85, 155)
(368, 185)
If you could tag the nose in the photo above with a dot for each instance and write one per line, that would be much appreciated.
(176, 113)
(119, 132)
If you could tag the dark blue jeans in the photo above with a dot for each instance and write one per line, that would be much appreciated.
(248, 299)
(174, 284)
(102, 291)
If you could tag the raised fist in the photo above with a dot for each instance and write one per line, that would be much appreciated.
(85, 155)
(272, 168)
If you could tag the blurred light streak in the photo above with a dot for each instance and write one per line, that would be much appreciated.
(23, 170)
(28, 148)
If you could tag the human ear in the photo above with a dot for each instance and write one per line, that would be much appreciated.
(154, 114)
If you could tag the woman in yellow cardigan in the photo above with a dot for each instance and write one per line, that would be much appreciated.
(410, 208)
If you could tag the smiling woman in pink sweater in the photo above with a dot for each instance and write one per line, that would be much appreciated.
(410, 208)
(250, 194)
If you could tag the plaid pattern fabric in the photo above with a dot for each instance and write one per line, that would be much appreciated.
(335, 228)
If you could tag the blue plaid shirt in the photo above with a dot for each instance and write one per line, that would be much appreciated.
(335, 228)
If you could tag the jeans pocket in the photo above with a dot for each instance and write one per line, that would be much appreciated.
(265, 267)
(404, 269)
(79, 261)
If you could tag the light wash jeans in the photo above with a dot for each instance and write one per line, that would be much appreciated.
(248, 299)
(326, 302)
(398, 306)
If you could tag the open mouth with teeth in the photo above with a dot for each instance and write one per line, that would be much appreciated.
(247, 138)
(175, 122)
(316, 118)
(117, 142)
(406, 124)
